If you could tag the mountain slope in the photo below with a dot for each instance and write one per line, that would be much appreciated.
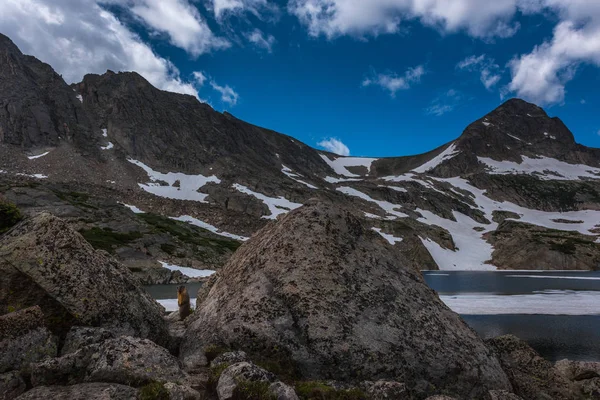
(174, 157)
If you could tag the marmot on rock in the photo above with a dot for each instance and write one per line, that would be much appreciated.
(183, 301)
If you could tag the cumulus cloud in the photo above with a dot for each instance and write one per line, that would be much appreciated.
(228, 95)
(489, 71)
(444, 103)
(181, 21)
(334, 146)
(334, 18)
(260, 8)
(199, 78)
(260, 40)
(79, 37)
(393, 83)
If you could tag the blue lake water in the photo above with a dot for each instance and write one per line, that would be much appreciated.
(557, 313)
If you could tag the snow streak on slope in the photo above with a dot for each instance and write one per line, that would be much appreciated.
(209, 227)
(277, 205)
(390, 238)
(108, 146)
(445, 155)
(291, 174)
(38, 156)
(386, 206)
(188, 184)
(134, 209)
(544, 168)
(189, 272)
(339, 164)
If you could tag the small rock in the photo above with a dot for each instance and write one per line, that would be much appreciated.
(180, 392)
(17, 353)
(234, 374)
(232, 357)
(11, 385)
(502, 395)
(591, 388)
(578, 370)
(382, 390)
(281, 391)
(80, 336)
(84, 391)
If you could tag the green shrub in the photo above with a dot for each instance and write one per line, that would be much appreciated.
(108, 240)
(168, 248)
(314, 390)
(252, 390)
(9, 215)
(153, 391)
(212, 351)
(214, 373)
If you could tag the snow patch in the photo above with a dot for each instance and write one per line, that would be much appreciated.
(390, 238)
(133, 208)
(548, 302)
(543, 167)
(37, 176)
(386, 206)
(209, 227)
(339, 164)
(80, 98)
(104, 132)
(486, 123)
(277, 205)
(554, 277)
(171, 305)
(338, 180)
(108, 146)
(38, 156)
(189, 272)
(444, 156)
(292, 175)
(396, 188)
(188, 184)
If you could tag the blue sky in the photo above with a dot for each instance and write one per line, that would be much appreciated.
(385, 78)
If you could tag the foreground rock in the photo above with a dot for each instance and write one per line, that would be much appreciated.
(84, 391)
(320, 289)
(44, 262)
(24, 339)
(533, 377)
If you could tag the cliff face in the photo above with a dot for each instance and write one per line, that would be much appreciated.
(79, 151)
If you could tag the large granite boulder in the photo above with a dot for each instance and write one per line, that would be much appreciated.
(84, 391)
(44, 262)
(322, 290)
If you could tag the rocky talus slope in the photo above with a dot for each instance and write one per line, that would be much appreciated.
(344, 321)
(159, 178)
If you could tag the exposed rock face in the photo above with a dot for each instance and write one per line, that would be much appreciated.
(84, 391)
(38, 108)
(233, 375)
(44, 262)
(124, 360)
(531, 376)
(11, 385)
(339, 300)
(24, 339)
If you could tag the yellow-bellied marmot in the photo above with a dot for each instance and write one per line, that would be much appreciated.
(183, 301)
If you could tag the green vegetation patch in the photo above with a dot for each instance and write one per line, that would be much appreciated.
(314, 390)
(9, 215)
(188, 233)
(107, 239)
(77, 199)
(153, 391)
(252, 390)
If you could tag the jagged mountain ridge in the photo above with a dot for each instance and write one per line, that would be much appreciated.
(173, 156)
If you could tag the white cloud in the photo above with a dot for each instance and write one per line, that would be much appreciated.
(79, 37)
(489, 71)
(228, 95)
(335, 146)
(222, 8)
(199, 78)
(393, 83)
(444, 103)
(259, 39)
(334, 18)
(583, 101)
(598, 132)
(181, 21)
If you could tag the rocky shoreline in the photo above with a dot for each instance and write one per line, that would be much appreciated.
(314, 306)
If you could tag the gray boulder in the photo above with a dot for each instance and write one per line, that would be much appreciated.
(181, 392)
(502, 395)
(24, 339)
(578, 370)
(81, 336)
(281, 391)
(232, 357)
(11, 385)
(44, 262)
(323, 291)
(83, 391)
(384, 390)
(233, 375)
(531, 376)
(124, 360)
